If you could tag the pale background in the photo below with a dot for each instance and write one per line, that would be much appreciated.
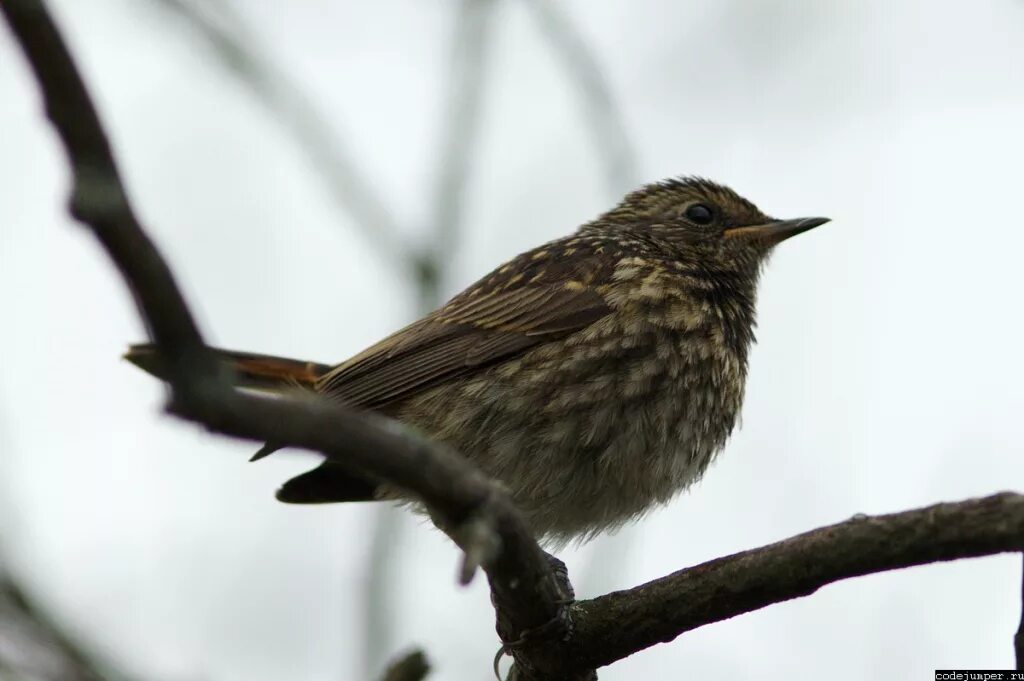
(887, 374)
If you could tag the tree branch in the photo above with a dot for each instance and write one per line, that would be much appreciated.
(98, 196)
(611, 627)
(34, 646)
(458, 135)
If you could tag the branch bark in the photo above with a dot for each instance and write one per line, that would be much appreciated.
(622, 623)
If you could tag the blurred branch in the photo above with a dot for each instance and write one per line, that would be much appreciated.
(33, 646)
(472, 509)
(378, 601)
(239, 52)
(599, 107)
(460, 128)
(460, 123)
(410, 667)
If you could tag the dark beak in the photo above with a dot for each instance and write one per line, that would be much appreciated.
(774, 232)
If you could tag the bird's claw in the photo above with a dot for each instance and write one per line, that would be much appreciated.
(558, 628)
(561, 573)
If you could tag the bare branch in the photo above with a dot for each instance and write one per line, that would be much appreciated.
(98, 197)
(351, 192)
(523, 587)
(599, 107)
(378, 600)
(410, 667)
(458, 137)
(611, 627)
(470, 55)
(34, 646)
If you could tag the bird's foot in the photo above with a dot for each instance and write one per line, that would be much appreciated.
(561, 573)
(558, 628)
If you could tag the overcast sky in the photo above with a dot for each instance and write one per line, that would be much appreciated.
(887, 375)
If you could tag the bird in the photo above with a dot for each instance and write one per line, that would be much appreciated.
(594, 377)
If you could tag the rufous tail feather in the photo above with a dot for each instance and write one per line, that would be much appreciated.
(256, 372)
(259, 372)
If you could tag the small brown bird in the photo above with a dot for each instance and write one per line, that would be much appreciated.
(595, 376)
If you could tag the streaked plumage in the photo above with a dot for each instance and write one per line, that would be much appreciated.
(596, 376)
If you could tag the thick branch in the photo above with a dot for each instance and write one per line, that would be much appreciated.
(611, 627)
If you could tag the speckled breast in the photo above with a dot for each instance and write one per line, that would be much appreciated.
(597, 428)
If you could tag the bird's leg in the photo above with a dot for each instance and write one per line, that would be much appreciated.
(561, 573)
(559, 627)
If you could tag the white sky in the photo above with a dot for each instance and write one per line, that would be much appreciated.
(887, 375)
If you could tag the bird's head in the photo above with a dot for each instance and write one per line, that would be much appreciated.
(705, 223)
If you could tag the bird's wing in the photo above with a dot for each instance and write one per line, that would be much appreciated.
(539, 297)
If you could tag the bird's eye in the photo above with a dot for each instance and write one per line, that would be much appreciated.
(699, 214)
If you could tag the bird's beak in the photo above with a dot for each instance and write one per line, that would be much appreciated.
(774, 232)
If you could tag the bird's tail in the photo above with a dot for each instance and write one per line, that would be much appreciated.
(265, 373)
(276, 375)
(257, 372)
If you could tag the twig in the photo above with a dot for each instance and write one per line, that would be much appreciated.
(622, 623)
(378, 601)
(410, 667)
(599, 107)
(33, 645)
(461, 122)
(349, 189)
(458, 137)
